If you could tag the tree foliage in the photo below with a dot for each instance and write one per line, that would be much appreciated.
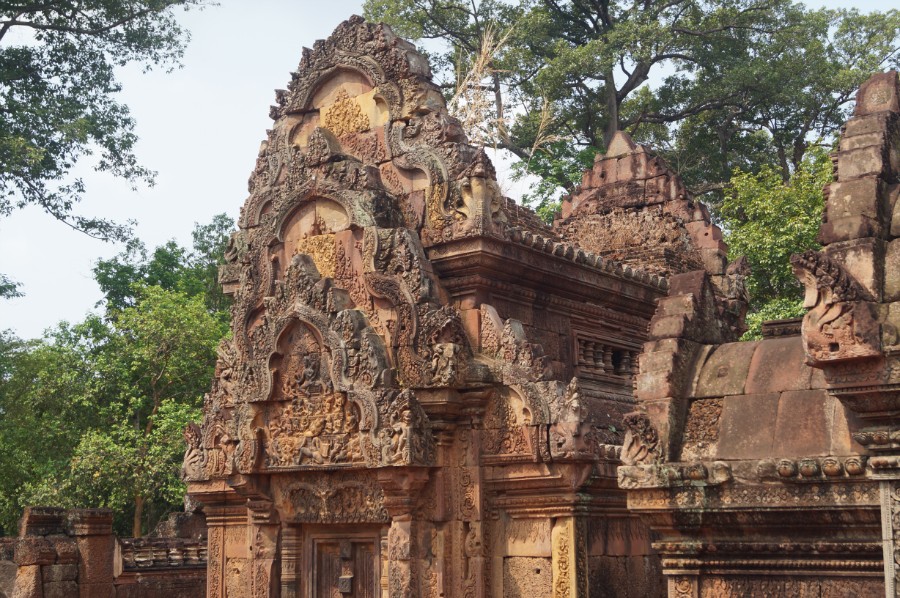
(172, 267)
(740, 83)
(92, 415)
(767, 220)
(58, 92)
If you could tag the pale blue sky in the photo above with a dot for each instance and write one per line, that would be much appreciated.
(200, 129)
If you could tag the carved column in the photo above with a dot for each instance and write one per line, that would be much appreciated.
(401, 487)
(226, 548)
(569, 542)
(264, 529)
(291, 555)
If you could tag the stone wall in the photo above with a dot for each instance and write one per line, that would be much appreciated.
(771, 467)
(65, 553)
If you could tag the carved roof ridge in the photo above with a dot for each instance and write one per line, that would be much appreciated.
(571, 252)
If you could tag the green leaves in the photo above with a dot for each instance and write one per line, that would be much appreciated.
(714, 85)
(169, 266)
(92, 415)
(767, 220)
(57, 97)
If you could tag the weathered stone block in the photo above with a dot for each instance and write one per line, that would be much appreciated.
(893, 194)
(28, 582)
(66, 550)
(7, 577)
(865, 161)
(862, 125)
(859, 197)
(747, 426)
(725, 371)
(96, 590)
(849, 228)
(863, 259)
(778, 364)
(42, 521)
(97, 555)
(844, 422)
(892, 271)
(34, 551)
(668, 327)
(60, 589)
(878, 94)
(54, 573)
(714, 260)
(851, 142)
(706, 235)
(804, 424)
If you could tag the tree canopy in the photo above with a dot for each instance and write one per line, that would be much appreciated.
(59, 104)
(92, 415)
(557, 78)
(767, 220)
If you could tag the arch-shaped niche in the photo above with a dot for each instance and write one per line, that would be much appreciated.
(344, 101)
(310, 229)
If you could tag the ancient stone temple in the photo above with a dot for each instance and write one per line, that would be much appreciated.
(425, 389)
(430, 392)
(772, 468)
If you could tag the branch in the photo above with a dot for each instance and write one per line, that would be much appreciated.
(6, 25)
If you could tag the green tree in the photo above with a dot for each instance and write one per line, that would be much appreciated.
(171, 267)
(43, 411)
(146, 369)
(767, 220)
(9, 288)
(573, 72)
(58, 90)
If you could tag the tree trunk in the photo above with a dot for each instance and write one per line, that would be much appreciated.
(783, 162)
(138, 516)
(612, 109)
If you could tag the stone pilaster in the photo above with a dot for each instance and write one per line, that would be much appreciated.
(570, 575)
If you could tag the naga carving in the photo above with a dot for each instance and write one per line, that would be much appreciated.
(641, 444)
(840, 324)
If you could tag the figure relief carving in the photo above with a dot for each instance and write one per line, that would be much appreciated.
(641, 444)
(219, 443)
(840, 324)
(443, 365)
(571, 435)
(314, 430)
(407, 439)
(194, 463)
(507, 421)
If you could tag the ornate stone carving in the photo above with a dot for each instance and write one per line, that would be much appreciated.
(318, 430)
(641, 445)
(344, 498)
(840, 324)
(407, 439)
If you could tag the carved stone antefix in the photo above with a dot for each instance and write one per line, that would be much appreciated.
(840, 323)
(571, 437)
